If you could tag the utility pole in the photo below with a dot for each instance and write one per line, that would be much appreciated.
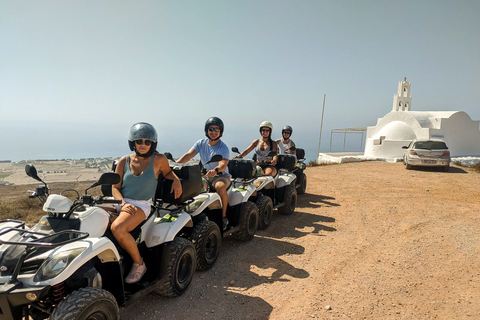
(321, 125)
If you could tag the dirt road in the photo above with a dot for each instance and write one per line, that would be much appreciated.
(368, 241)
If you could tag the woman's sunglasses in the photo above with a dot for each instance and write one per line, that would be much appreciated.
(211, 129)
(265, 130)
(145, 142)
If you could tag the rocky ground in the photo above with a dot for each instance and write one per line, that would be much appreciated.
(369, 240)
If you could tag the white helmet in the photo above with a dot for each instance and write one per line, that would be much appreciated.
(266, 124)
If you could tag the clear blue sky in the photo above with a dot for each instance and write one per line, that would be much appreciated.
(75, 75)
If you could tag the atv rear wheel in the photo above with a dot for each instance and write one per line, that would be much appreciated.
(180, 269)
(303, 184)
(248, 221)
(207, 239)
(290, 200)
(265, 211)
(87, 303)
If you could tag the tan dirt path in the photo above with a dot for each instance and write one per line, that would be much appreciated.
(369, 240)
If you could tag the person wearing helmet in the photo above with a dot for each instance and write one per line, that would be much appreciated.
(285, 145)
(262, 147)
(217, 172)
(139, 173)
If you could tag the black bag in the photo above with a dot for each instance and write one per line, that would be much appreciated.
(242, 168)
(190, 178)
(286, 161)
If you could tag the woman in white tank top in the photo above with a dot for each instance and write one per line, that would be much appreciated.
(285, 143)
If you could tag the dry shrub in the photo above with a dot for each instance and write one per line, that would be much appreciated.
(313, 164)
(24, 209)
(477, 167)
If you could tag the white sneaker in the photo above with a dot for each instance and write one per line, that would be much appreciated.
(136, 273)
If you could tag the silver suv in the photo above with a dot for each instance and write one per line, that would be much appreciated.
(428, 153)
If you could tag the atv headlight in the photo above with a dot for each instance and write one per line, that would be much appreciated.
(192, 207)
(53, 266)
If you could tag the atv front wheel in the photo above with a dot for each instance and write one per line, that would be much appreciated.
(180, 269)
(87, 303)
(303, 184)
(207, 239)
(265, 211)
(248, 221)
(290, 199)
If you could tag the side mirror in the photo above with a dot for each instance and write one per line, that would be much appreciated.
(215, 158)
(108, 178)
(404, 147)
(235, 149)
(31, 171)
(169, 156)
(272, 153)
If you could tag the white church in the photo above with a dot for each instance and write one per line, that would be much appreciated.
(401, 125)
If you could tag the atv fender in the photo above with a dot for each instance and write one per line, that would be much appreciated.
(165, 229)
(210, 200)
(284, 179)
(240, 194)
(100, 247)
(265, 182)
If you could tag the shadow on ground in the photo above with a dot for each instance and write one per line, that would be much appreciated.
(438, 169)
(309, 200)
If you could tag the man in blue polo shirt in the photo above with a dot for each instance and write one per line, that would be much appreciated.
(217, 172)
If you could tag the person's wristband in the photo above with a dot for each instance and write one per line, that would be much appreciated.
(216, 170)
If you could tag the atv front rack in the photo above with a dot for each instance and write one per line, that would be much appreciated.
(47, 241)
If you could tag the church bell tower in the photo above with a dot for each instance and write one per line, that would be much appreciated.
(402, 101)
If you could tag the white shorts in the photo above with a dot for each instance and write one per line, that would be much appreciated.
(145, 205)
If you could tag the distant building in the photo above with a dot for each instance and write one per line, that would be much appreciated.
(401, 125)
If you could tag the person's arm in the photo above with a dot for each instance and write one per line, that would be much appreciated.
(249, 149)
(293, 145)
(275, 157)
(187, 156)
(116, 188)
(116, 193)
(161, 163)
(220, 167)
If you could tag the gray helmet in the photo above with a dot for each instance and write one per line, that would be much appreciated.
(287, 128)
(142, 130)
(214, 121)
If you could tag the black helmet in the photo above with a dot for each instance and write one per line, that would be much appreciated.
(214, 121)
(287, 128)
(142, 130)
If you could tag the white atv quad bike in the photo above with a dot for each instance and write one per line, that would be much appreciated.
(242, 214)
(274, 192)
(298, 171)
(246, 172)
(68, 265)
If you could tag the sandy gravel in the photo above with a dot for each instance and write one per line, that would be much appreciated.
(369, 240)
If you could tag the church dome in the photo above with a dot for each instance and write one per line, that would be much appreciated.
(396, 130)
